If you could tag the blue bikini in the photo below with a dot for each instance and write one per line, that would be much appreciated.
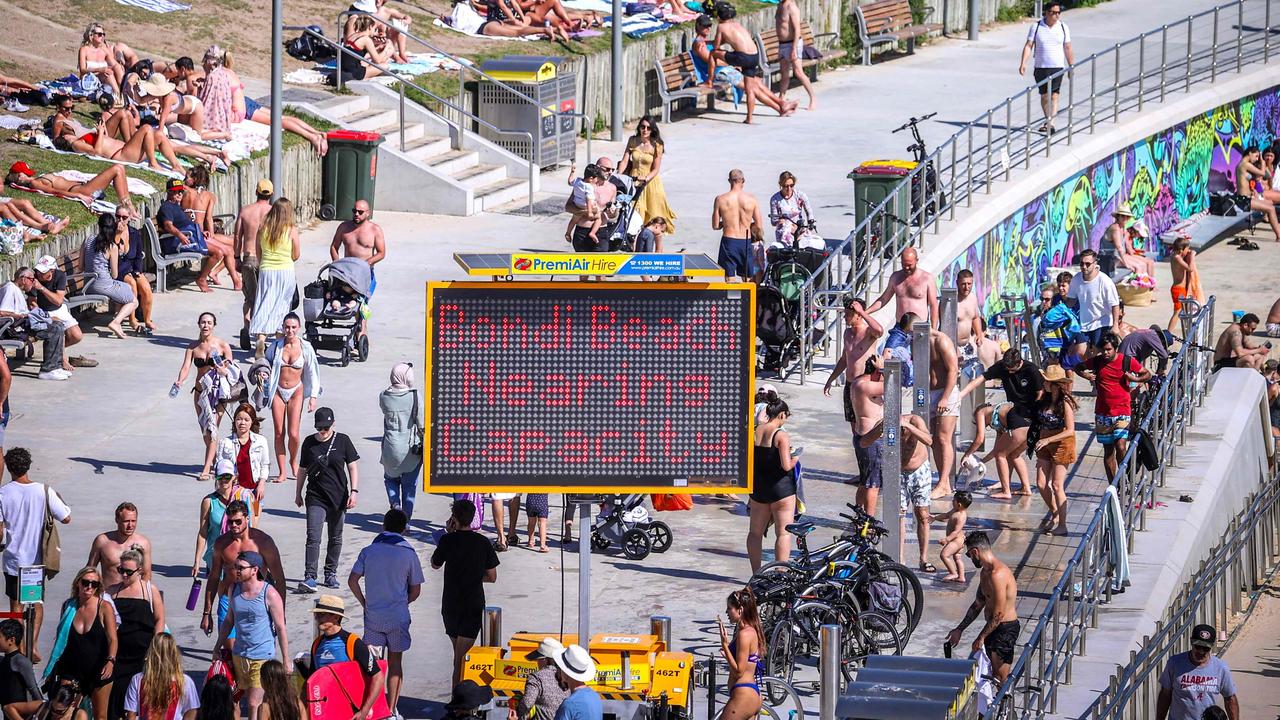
(752, 658)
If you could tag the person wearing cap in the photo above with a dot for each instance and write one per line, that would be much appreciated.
(1151, 341)
(23, 176)
(1113, 376)
(1192, 681)
(179, 233)
(256, 612)
(327, 467)
(334, 645)
(575, 669)
(244, 246)
(393, 579)
(543, 694)
(1132, 256)
(13, 304)
(212, 509)
(50, 292)
(469, 561)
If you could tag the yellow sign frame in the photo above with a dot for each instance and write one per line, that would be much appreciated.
(749, 288)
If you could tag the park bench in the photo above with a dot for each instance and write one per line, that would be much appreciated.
(77, 280)
(164, 262)
(767, 45)
(677, 81)
(888, 22)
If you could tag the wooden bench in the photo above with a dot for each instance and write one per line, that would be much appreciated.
(888, 22)
(164, 262)
(677, 80)
(77, 280)
(767, 45)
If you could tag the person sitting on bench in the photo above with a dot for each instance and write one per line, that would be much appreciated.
(179, 233)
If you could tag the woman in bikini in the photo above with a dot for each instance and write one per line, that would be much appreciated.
(207, 353)
(1011, 445)
(744, 653)
(22, 176)
(97, 59)
(294, 378)
(199, 202)
(120, 122)
(362, 41)
(495, 18)
(225, 103)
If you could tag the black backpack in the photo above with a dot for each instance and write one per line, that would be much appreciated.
(307, 48)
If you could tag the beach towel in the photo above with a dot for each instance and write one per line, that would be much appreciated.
(1117, 546)
(13, 122)
(156, 6)
(306, 76)
(637, 26)
(419, 64)
(984, 686)
(460, 17)
(600, 6)
(136, 186)
(97, 207)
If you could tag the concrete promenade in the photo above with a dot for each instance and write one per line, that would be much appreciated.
(111, 433)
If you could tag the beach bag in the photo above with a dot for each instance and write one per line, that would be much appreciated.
(307, 48)
(415, 429)
(50, 543)
(664, 502)
(1147, 455)
(1223, 204)
(220, 666)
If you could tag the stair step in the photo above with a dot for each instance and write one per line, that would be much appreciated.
(369, 119)
(495, 194)
(426, 147)
(453, 161)
(391, 133)
(480, 175)
(344, 105)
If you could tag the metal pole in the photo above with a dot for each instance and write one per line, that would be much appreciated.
(920, 369)
(891, 458)
(828, 671)
(491, 630)
(277, 93)
(615, 75)
(660, 625)
(973, 19)
(947, 310)
(584, 574)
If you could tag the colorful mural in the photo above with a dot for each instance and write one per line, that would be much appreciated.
(1165, 178)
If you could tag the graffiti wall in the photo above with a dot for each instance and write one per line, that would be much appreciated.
(1165, 178)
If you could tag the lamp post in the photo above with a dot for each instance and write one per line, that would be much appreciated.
(277, 42)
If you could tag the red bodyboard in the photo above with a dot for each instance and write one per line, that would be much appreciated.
(336, 691)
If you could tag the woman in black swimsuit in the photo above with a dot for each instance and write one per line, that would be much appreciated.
(362, 41)
(89, 655)
(141, 610)
(774, 497)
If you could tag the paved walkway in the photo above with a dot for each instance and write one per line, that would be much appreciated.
(112, 433)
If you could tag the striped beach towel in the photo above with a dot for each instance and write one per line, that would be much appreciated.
(156, 6)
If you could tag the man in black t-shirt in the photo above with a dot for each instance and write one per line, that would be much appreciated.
(1022, 383)
(327, 466)
(469, 561)
(50, 292)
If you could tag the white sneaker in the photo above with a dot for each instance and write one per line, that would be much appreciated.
(12, 105)
(58, 374)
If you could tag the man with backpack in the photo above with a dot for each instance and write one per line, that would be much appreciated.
(1050, 43)
(334, 645)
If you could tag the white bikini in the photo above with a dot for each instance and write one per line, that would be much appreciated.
(284, 392)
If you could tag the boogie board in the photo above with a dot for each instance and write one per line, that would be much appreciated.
(336, 691)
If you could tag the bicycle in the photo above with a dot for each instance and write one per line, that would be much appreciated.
(779, 699)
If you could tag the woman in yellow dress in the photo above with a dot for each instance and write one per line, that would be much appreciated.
(643, 161)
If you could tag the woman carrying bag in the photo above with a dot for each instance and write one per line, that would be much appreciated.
(401, 438)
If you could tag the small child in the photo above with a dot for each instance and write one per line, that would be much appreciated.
(953, 541)
(342, 296)
(24, 691)
(582, 203)
(649, 239)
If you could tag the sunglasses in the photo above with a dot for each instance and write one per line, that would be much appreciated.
(1087, 264)
(242, 568)
(128, 573)
(91, 584)
(97, 33)
(789, 185)
(358, 211)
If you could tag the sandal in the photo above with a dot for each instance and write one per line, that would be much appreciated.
(928, 567)
(1237, 241)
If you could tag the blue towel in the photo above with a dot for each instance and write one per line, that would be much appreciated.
(156, 6)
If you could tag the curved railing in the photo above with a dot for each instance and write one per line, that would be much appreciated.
(1101, 88)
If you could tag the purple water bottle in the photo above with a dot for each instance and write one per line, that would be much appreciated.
(194, 595)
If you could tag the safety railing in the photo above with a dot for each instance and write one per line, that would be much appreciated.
(466, 66)
(1234, 568)
(459, 132)
(1101, 88)
(1087, 581)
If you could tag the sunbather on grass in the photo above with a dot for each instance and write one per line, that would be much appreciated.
(21, 175)
(22, 211)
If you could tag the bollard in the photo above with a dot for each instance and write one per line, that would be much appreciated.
(891, 459)
(491, 628)
(973, 19)
(829, 671)
(660, 625)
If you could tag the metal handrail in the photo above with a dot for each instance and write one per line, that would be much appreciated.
(1087, 580)
(402, 82)
(965, 164)
(465, 65)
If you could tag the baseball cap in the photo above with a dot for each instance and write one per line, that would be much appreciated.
(548, 648)
(265, 187)
(22, 168)
(174, 185)
(1203, 636)
(45, 264)
(224, 467)
(324, 418)
(253, 558)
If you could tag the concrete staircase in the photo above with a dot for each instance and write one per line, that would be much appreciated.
(437, 171)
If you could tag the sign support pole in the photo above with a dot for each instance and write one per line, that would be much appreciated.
(584, 574)
(891, 459)
(920, 370)
(950, 326)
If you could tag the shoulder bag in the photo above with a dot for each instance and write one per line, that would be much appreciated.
(415, 429)
(50, 543)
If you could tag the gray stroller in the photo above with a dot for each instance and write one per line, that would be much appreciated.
(335, 307)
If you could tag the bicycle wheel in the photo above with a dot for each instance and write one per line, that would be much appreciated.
(780, 656)
(780, 700)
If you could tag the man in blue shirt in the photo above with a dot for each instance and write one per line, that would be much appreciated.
(575, 669)
(334, 645)
(1192, 681)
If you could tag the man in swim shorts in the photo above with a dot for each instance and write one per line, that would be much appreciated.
(997, 599)
(735, 44)
(736, 214)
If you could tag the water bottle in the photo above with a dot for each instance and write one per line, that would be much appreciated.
(194, 595)
(173, 391)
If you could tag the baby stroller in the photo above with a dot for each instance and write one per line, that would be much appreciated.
(778, 304)
(622, 235)
(335, 307)
(625, 521)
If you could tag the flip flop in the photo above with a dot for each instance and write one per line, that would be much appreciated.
(1237, 241)
(928, 567)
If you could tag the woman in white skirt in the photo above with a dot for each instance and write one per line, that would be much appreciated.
(278, 248)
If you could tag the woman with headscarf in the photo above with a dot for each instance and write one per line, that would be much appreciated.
(401, 437)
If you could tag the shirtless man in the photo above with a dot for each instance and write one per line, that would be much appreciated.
(108, 545)
(944, 373)
(914, 290)
(1182, 265)
(866, 393)
(245, 246)
(733, 214)
(735, 46)
(787, 22)
(238, 538)
(860, 335)
(360, 237)
(997, 598)
(917, 477)
(1235, 350)
(1251, 188)
(21, 175)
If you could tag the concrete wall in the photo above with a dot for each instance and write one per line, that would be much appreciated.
(1165, 177)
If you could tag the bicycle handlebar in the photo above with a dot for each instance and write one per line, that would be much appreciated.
(914, 121)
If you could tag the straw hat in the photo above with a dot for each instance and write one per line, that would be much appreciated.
(156, 85)
(1054, 373)
(1123, 211)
